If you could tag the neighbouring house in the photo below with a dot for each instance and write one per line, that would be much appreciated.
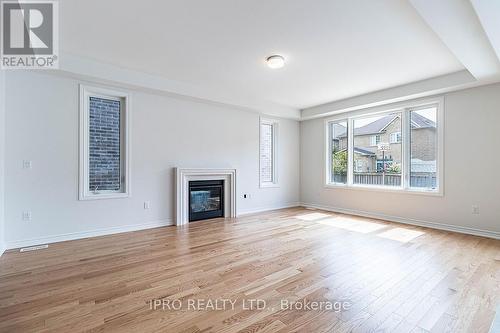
(377, 145)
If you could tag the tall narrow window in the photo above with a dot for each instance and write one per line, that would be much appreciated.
(103, 144)
(268, 152)
(423, 152)
(338, 152)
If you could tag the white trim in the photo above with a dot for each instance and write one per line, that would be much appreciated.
(268, 208)
(182, 178)
(403, 220)
(376, 188)
(85, 92)
(86, 234)
(350, 156)
(86, 69)
(387, 108)
(327, 147)
(3, 248)
(274, 123)
(406, 151)
(400, 94)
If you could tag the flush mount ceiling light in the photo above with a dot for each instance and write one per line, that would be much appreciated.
(275, 61)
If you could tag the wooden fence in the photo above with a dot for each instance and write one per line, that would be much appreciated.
(427, 180)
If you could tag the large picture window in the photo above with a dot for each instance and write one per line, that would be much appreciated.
(397, 149)
(103, 144)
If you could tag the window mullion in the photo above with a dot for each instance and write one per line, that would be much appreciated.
(350, 151)
(406, 146)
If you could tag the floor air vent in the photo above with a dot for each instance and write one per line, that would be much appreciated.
(34, 248)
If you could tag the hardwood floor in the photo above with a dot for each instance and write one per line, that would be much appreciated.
(389, 277)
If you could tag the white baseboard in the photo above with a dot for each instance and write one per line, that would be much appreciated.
(115, 230)
(167, 222)
(420, 223)
(2, 249)
(85, 234)
(268, 208)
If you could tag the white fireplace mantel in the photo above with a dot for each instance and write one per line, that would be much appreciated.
(184, 175)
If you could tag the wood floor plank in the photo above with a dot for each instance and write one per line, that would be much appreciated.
(390, 277)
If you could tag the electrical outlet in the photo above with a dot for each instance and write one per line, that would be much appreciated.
(475, 209)
(27, 215)
(26, 164)
(246, 196)
(147, 205)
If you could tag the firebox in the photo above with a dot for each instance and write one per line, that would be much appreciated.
(206, 199)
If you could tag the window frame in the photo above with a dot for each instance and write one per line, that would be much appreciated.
(405, 108)
(87, 91)
(329, 155)
(274, 160)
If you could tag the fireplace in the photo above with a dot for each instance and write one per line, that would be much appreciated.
(183, 176)
(206, 199)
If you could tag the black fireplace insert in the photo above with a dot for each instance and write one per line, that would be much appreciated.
(206, 199)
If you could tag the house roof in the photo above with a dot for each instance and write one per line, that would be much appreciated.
(361, 151)
(418, 121)
(378, 126)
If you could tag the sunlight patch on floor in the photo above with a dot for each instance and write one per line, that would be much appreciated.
(401, 234)
(312, 216)
(351, 224)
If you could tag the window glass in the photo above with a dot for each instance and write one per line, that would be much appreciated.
(377, 160)
(104, 145)
(423, 155)
(266, 152)
(338, 152)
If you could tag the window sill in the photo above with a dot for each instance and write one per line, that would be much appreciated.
(269, 185)
(389, 189)
(103, 196)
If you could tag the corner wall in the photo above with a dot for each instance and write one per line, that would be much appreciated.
(471, 167)
(2, 161)
(165, 133)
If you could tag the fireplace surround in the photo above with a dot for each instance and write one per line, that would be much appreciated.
(182, 178)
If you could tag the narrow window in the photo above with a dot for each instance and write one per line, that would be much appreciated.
(103, 144)
(338, 152)
(268, 153)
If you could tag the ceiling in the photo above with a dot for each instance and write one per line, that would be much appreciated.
(334, 49)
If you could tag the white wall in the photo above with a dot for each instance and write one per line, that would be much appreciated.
(471, 170)
(42, 118)
(2, 159)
